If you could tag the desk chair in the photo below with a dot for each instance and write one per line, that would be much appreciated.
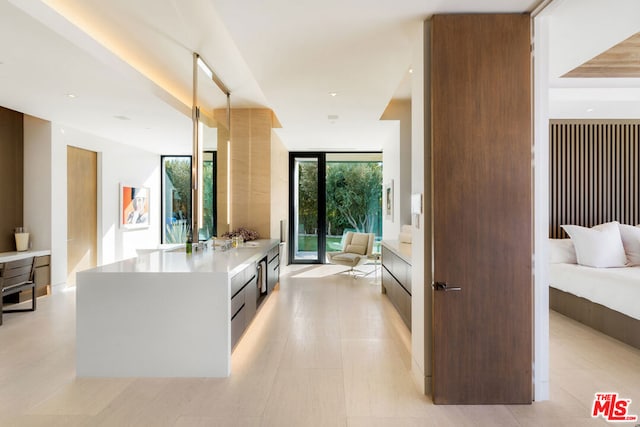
(16, 276)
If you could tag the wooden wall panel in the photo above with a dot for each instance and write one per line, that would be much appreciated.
(594, 173)
(250, 171)
(11, 176)
(260, 195)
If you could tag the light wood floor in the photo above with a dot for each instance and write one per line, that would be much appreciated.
(325, 350)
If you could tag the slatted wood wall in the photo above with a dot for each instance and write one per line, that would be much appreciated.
(595, 173)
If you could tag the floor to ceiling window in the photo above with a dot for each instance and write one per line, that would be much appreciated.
(332, 193)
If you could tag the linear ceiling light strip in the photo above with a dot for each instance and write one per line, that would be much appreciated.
(212, 75)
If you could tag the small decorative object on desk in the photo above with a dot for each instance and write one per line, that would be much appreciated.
(22, 239)
(244, 233)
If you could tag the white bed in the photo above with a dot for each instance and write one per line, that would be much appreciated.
(595, 278)
(615, 288)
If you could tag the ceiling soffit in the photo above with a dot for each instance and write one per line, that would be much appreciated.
(621, 60)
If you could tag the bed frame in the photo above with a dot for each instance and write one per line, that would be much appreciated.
(596, 316)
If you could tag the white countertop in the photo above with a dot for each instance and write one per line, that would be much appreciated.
(209, 261)
(403, 250)
(14, 256)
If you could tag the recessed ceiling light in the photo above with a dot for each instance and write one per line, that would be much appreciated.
(71, 95)
(333, 93)
(122, 117)
(589, 110)
(410, 70)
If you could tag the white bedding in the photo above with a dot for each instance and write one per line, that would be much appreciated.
(616, 288)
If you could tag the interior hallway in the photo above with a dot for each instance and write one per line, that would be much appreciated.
(325, 350)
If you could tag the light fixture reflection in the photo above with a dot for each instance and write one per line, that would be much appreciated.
(205, 68)
(229, 183)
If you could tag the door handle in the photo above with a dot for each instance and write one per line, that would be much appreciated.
(442, 286)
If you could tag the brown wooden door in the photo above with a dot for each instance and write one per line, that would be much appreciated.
(481, 148)
(82, 211)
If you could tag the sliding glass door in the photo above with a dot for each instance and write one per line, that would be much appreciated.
(331, 194)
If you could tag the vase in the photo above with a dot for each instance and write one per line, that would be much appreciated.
(22, 241)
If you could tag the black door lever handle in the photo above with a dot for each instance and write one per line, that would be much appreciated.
(442, 286)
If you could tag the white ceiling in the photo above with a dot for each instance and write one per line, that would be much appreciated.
(133, 59)
(580, 30)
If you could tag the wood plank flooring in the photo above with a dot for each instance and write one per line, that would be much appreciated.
(324, 350)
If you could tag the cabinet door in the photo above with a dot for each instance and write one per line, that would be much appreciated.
(42, 278)
(273, 270)
(251, 299)
(237, 302)
(238, 324)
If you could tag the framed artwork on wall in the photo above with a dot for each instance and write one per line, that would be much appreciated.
(134, 207)
(388, 201)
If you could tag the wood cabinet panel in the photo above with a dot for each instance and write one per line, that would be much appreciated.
(398, 296)
(237, 302)
(11, 176)
(251, 299)
(396, 280)
(238, 325)
(273, 273)
(244, 297)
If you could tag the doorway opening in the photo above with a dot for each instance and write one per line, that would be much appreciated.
(82, 211)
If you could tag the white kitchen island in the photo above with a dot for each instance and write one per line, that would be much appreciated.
(166, 314)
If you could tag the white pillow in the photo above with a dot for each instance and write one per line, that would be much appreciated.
(600, 246)
(631, 242)
(562, 251)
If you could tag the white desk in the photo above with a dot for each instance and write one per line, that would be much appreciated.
(164, 314)
(15, 256)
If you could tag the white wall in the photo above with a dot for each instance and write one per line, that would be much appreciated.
(391, 171)
(279, 190)
(421, 228)
(37, 185)
(397, 151)
(117, 163)
(541, 208)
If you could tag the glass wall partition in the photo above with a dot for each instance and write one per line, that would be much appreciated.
(209, 192)
(176, 198)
